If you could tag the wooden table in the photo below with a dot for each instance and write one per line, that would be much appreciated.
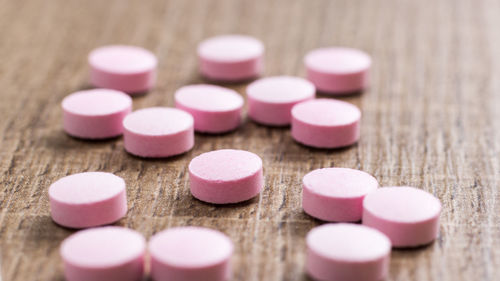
(431, 119)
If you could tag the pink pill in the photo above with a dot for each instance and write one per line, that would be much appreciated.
(215, 109)
(347, 252)
(270, 100)
(95, 114)
(158, 132)
(88, 199)
(338, 70)
(226, 176)
(125, 68)
(104, 254)
(408, 216)
(325, 123)
(190, 254)
(230, 57)
(336, 194)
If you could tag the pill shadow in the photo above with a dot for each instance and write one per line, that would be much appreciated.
(60, 140)
(327, 150)
(318, 222)
(43, 228)
(354, 94)
(198, 78)
(88, 86)
(156, 159)
(409, 250)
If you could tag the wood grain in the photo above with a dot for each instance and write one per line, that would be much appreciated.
(430, 119)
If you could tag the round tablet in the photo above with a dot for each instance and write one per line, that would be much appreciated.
(325, 123)
(215, 109)
(408, 216)
(104, 254)
(338, 70)
(270, 100)
(124, 68)
(347, 252)
(95, 114)
(336, 194)
(230, 57)
(158, 132)
(88, 199)
(225, 176)
(190, 254)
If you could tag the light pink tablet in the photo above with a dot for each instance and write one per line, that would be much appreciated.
(325, 123)
(270, 100)
(104, 254)
(158, 132)
(226, 176)
(88, 199)
(336, 194)
(190, 254)
(215, 109)
(408, 216)
(338, 70)
(347, 252)
(95, 114)
(230, 57)
(125, 68)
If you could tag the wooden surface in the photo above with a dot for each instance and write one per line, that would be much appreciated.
(431, 119)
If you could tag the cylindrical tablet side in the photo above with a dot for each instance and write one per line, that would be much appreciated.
(226, 192)
(231, 71)
(214, 122)
(324, 136)
(85, 215)
(158, 132)
(321, 268)
(88, 199)
(125, 68)
(407, 215)
(135, 83)
(226, 176)
(326, 123)
(94, 127)
(336, 194)
(158, 146)
(347, 252)
(270, 100)
(230, 58)
(338, 70)
(103, 254)
(215, 109)
(190, 253)
(96, 113)
(339, 84)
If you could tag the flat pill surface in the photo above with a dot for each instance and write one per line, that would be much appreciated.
(95, 114)
(230, 57)
(270, 100)
(190, 254)
(338, 70)
(104, 254)
(336, 194)
(225, 176)
(126, 68)
(325, 123)
(214, 109)
(88, 199)
(408, 216)
(158, 132)
(347, 252)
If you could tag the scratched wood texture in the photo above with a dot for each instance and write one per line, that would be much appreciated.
(431, 119)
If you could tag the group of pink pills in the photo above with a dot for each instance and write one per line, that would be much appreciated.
(390, 216)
